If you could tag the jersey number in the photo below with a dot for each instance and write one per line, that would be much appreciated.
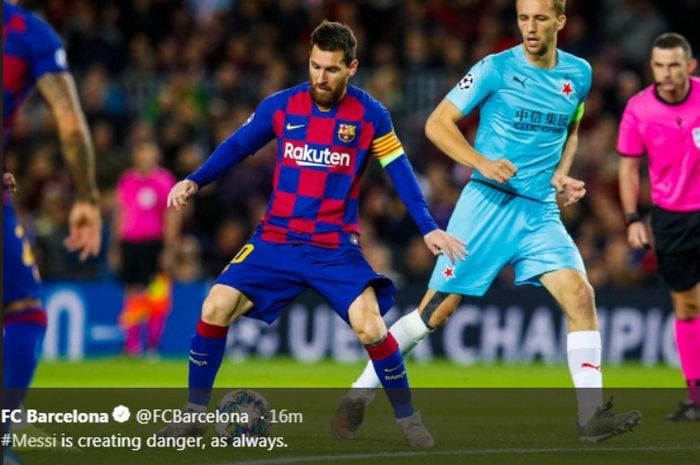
(27, 255)
(243, 253)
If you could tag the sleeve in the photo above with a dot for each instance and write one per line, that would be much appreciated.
(386, 146)
(629, 140)
(388, 150)
(580, 109)
(48, 54)
(481, 80)
(257, 131)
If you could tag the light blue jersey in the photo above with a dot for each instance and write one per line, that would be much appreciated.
(524, 114)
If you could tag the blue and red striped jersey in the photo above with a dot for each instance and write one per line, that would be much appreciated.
(30, 49)
(320, 159)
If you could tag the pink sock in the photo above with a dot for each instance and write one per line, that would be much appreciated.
(132, 340)
(688, 342)
(156, 324)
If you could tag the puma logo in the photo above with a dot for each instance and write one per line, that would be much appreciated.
(520, 81)
(590, 365)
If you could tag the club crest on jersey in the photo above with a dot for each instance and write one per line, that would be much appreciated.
(346, 132)
(567, 88)
(448, 273)
(696, 137)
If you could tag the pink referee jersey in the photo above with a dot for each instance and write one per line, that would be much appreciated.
(669, 134)
(142, 201)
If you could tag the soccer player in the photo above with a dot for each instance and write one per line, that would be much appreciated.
(326, 131)
(34, 57)
(531, 98)
(663, 122)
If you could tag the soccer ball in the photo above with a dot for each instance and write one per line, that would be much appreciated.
(239, 402)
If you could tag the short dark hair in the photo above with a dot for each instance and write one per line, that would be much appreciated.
(332, 36)
(672, 40)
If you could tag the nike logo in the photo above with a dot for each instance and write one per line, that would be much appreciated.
(294, 126)
(198, 353)
(520, 81)
(389, 370)
(590, 365)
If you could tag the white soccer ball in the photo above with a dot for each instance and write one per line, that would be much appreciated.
(240, 405)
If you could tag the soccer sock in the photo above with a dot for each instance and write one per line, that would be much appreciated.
(408, 331)
(688, 342)
(206, 354)
(584, 354)
(22, 350)
(388, 363)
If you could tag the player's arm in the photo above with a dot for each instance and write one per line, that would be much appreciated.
(572, 189)
(389, 151)
(252, 136)
(482, 80)
(442, 130)
(630, 145)
(59, 91)
(85, 223)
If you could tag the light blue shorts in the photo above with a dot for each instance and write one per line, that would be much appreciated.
(501, 228)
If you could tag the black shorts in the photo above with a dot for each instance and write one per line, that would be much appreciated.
(140, 261)
(677, 238)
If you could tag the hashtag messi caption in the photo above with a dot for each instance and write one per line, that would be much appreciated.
(137, 443)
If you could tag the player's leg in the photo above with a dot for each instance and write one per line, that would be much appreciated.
(482, 220)
(584, 355)
(434, 310)
(686, 305)
(259, 282)
(384, 353)
(220, 309)
(548, 256)
(24, 318)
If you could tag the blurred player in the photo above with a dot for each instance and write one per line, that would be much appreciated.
(531, 99)
(147, 233)
(33, 56)
(327, 131)
(663, 122)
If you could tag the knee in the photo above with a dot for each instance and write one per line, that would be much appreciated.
(217, 310)
(581, 301)
(370, 330)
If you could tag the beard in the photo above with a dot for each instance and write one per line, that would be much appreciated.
(328, 96)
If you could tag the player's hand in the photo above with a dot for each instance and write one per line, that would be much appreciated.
(181, 192)
(571, 189)
(500, 170)
(439, 242)
(637, 235)
(8, 181)
(84, 230)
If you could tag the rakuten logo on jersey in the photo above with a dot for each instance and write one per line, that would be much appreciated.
(306, 156)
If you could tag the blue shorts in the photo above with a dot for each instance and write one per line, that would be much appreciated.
(20, 275)
(501, 228)
(272, 275)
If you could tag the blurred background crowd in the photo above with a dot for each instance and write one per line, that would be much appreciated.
(186, 73)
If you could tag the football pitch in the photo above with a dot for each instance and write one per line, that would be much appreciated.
(482, 414)
(281, 372)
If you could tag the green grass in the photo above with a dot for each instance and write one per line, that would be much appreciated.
(284, 372)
